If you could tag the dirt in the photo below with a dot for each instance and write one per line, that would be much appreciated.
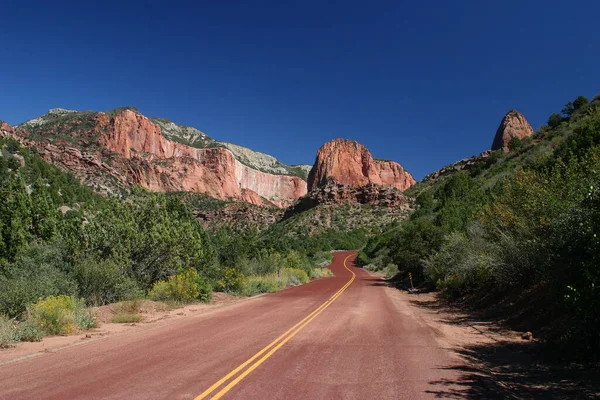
(154, 314)
(455, 327)
(496, 362)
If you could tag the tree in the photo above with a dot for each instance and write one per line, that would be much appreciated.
(555, 120)
(515, 143)
(568, 110)
(580, 102)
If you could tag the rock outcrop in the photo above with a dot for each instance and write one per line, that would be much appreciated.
(348, 162)
(513, 125)
(466, 164)
(334, 193)
(131, 150)
(239, 215)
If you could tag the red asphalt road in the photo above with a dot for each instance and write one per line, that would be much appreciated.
(363, 346)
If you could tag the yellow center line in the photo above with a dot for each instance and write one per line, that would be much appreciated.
(284, 338)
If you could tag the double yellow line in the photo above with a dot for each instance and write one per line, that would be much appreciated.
(272, 347)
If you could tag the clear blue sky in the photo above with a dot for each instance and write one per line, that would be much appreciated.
(423, 83)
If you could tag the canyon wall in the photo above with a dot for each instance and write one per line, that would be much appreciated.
(140, 155)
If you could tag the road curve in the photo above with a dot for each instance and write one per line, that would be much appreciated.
(343, 337)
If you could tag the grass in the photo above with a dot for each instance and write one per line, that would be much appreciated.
(124, 318)
(274, 282)
(127, 312)
(128, 307)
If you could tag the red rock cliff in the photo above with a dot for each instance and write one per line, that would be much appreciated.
(141, 155)
(349, 162)
(174, 166)
(514, 124)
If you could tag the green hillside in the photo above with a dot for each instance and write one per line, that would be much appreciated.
(519, 229)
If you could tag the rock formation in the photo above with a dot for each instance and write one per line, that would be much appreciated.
(334, 193)
(513, 125)
(131, 150)
(348, 162)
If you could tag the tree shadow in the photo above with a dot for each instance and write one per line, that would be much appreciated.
(519, 371)
(376, 281)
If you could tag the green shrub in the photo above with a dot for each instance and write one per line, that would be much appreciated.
(320, 272)
(323, 258)
(103, 282)
(36, 274)
(465, 261)
(515, 143)
(8, 332)
(261, 284)
(86, 319)
(28, 331)
(231, 282)
(295, 276)
(186, 287)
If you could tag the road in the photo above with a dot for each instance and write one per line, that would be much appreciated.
(343, 337)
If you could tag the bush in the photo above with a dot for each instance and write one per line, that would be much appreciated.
(186, 287)
(261, 284)
(465, 261)
(8, 332)
(295, 276)
(28, 331)
(323, 258)
(274, 282)
(36, 274)
(86, 319)
(320, 272)
(60, 315)
(231, 282)
(515, 143)
(103, 282)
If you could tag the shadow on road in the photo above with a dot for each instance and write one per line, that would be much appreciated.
(514, 370)
(376, 281)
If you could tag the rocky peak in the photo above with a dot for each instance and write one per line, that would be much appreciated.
(513, 125)
(5, 127)
(349, 162)
(60, 111)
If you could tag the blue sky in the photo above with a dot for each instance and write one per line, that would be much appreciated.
(423, 83)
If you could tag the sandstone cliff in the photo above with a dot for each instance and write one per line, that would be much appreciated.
(513, 125)
(348, 162)
(131, 150)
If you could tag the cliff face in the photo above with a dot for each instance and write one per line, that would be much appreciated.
(131, 149)
(513, 125)
(350, 163)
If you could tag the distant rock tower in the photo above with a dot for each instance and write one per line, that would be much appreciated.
(514, 124)
(350, 163)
